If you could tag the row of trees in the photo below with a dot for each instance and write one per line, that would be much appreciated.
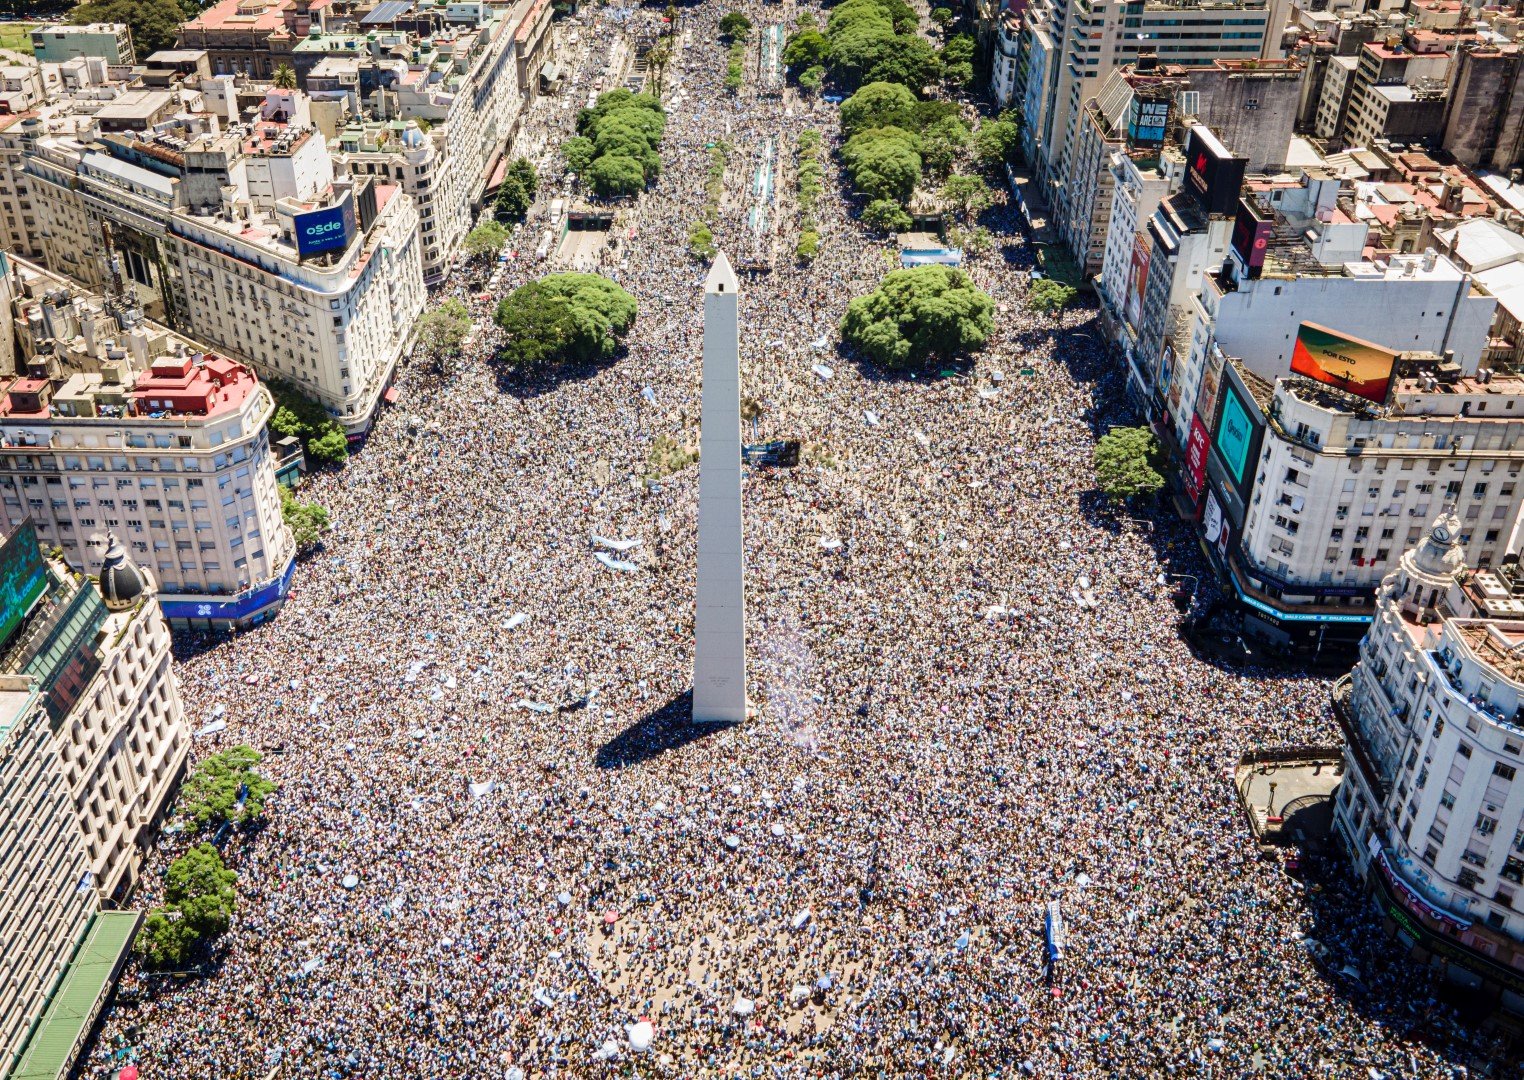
(199, 894)
(810, 174)
(615, 148)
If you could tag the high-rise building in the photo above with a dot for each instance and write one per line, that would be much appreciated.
(1430, 810)
(112, 42)
(92, 739)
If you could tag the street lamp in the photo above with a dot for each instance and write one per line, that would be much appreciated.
(1190, 599)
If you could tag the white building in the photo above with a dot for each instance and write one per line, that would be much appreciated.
(112, 423)
(1430, 809)
(218, 235)
(1005, 64)
(1342, 486)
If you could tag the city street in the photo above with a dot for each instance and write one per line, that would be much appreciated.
(484, 723)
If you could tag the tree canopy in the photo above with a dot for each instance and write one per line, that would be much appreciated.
(996, 142)
(735, 25)
(1125, 460)
(564, 318)
(885, 215)
(307, 520)
(578, 153)
(199, 901)
(443, 331)
(488, 238)
(1049, 296)
(878, 104)
(806, 49)
(321, 435)
(875, 40)
(927, 312)
(155, 24)
(883, 163)
(515, 195)
(625, 130)
(225, 787)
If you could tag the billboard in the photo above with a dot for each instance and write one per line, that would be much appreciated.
(1235, 434)
(328, 229)
(1216, 526)
(1137, 279)
(1213, 176)
(1196, 459)
(1251, 238)
(23, 577)
(1358, 367)
(1148, 122)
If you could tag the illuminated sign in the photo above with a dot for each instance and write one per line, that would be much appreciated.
(1235, 432)
(1196, 459)
(1358, 367)
(1213, 176)
(23, 577)
(1148, 123)
(329, 229)
(1251, 239)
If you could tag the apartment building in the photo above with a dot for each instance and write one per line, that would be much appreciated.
(109, 422)
(1430, 810)
(92, 739)
(54, 44)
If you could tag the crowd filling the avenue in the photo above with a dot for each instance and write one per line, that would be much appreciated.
(497, 849)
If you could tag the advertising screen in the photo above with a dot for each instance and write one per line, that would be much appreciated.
(23, 577)
(1359, 367)
(1196, 459)
(1149, 122)
(1235, 434)
(1212, 175)
(1137, 278)
(329, 229)
(1251, 237)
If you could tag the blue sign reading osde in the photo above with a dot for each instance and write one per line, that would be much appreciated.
(329, 229)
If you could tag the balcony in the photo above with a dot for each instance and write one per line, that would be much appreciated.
(1341, 697)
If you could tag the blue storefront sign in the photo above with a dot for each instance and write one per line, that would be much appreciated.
(236, 609)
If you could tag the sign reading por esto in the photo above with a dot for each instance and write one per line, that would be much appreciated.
(328, 229)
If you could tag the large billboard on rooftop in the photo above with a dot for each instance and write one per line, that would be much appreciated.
(1358, 367)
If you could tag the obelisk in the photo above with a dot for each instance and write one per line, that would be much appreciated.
(719, 661)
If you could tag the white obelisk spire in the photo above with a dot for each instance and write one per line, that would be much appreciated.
(719, 663)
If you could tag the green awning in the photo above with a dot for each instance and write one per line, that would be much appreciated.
(66, 1023)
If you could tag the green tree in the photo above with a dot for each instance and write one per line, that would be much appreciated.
(806, 21)
(857, 50)
(307, 520)
(578, 153)
(199, 901)
(735, 67)
(564, 318)
(443, 331)
(996, 142)
(965, 195)
(1049, 296)
(515, 195)
(701, 242)
(806, 49)
(907, 59)
(212, 791)
(811, 79)
(942, 16)
(885, 215)
(735, 25)
(285, 77)
(488, 238)
(959, 76)
(808, 246)
(1125, 460)
(877, 105)
(920, 314)
(615, 174)
(155, 24)
(883, 163)
(298, 416)
(941, 143)
(512, 201)
(959, 49)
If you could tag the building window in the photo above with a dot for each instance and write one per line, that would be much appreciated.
(1505, 771)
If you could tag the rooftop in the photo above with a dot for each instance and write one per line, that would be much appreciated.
(248, 14)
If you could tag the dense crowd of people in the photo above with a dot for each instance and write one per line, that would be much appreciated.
(497, 850)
